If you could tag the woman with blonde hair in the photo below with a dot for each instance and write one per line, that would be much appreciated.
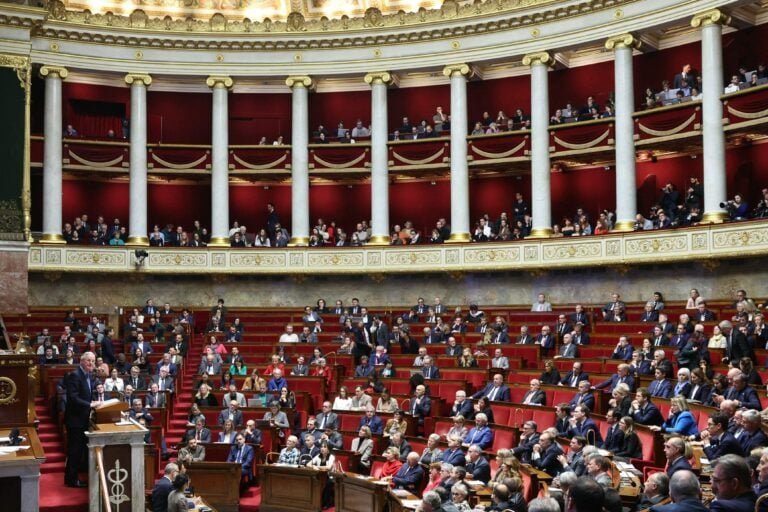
(467, 360)
(204, 397)
(680, 420)
(363, 445)
(458, 429)
(392, 464)
(630, 445)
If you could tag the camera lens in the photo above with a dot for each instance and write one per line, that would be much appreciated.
(723, 205)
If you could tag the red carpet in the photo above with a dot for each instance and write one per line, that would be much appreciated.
(53, 495)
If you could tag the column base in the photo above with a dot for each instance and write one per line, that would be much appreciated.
(219, 241)
(142, 241)
(52, 238)
(459, 238)
(378, 240)
(716, 217)
(540, 233)
(624, 226)
(299, 241)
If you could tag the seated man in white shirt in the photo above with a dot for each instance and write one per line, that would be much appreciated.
(289, 336)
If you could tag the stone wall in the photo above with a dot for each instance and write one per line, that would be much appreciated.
(717, 279)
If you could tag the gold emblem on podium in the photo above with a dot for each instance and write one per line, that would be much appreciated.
(7, 391)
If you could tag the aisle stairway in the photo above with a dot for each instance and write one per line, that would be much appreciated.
(53, 495)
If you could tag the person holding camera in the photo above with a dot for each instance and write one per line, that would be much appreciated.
(669, 200)
(737, 208)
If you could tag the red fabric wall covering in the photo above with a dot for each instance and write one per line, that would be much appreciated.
(178, 118)
(576, 84)
(86, 123)
(505, 94)
(330, 108)
(417, 103)
(419, 202)
(252, 116)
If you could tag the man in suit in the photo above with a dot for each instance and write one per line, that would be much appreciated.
(380, 333)
(562, 327)
(679, 339)
(685, 491)
(478, 466)
(499, 360)
(655, 490)
(546, 340)
(649, 314)
(242, 453)
(179, 344)
(582, 425)
(429, 370)
(686, 75)
(163, 487)
(409, 475)
(461, 406)
(579, 316)
(421, 405)
(498, 336)
(574, 461)
(580, 337)
(371, 421)
(480, 435)
(439, 308)
(716, 439)
(639, 365)
(234, 395)
(623, 349)
(583, 396)
(614, 437)
(752, 437)
(703, 314)
(163, 380)
(660, 386)
(524, 338)
(743, 394)
(528, 439)
(674, 450)
(453, 454)
(621, 376)
(79, 385)
(327, 418)
(568, 348)
(615, 311)
(210, 365)
(199, 432)
(658, 337)
(145, 347)
(231, 413)
(155, 398)
(562, 419)
(535, 395)
(736, 345)
(546, 455)
(135, 379)
(301, 368)
(495, 391)
(732, 485)
(193, 452)
(573, 377)
(643, 411)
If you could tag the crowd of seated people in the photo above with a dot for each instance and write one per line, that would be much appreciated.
(732, 439)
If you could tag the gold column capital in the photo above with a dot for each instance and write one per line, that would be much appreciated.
(460, 69)
(536, 58)
(219, 81)
(138, 78)
(379, 77)
(711, 17)
(623, 41)
(54, 72)
(299, 81)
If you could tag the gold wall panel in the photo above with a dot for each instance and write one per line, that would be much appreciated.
(709, 242)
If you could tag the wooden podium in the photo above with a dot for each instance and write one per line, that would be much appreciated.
(291, 488)
(358, 493)
(17, 407)
(20, 473)
(115, 463)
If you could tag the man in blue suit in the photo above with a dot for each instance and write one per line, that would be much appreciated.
(480, 435)
(461, 406)
(409, 475)
(660, 386)
(583, 396)
(477, 466)
(675, 451)
(80, 385)
(453, 454)
(582, 426)
(242, 453)
(573, 377)
(163, 488)
(732, 485)
(421, 405)
(495, 391)
(717, 440)
(371, 421)
(621, 376)
(743, 394)
(752, 437)
(623, 349)
(685, 491)
(546, 455)
(643, 411)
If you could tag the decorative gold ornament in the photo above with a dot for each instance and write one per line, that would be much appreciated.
(623, 41)
(379, 77)
(7, 391)
(461, 69)
(219, 81)
(138, 78)
(711, 17)
(299, 81)
(536, 58)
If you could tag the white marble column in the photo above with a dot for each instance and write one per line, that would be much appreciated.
(541, 197)
(715, 192)
(626, 187)
(300, 86)
(52, 162)
(379, 158)
(137, 203)
(220, 86)
(458, 74)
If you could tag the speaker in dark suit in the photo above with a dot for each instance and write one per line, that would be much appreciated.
(79, 384)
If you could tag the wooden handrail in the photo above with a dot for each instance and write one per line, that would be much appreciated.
(102, 476)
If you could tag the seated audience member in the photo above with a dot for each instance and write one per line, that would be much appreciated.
(583, 396)
(477, 466)
(732, 485)
(481, 434)
(397, 440)
(680, 420)
(550, 375)
(599, 469)
(717, 440)
(370, 420)
(630, 447)
(290, 454)
(409, 475)
(660, 386)
(363, 446)
(453, 454)
(677, 452)
(623, 349)
(432, 452)
(621, 376)
(574, 460)
(391, 465)
(752, 436)
(242, 453)
(545, 455)
(582, 425)
(535, 395)
(643, 411)
(495, 391)
(615, 311)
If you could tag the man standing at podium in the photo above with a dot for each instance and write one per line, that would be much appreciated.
(80, 385)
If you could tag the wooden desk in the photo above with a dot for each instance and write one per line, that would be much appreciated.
(218, 483)
(20, 473)
(291, 488)
(358, 492)
(408, 502)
